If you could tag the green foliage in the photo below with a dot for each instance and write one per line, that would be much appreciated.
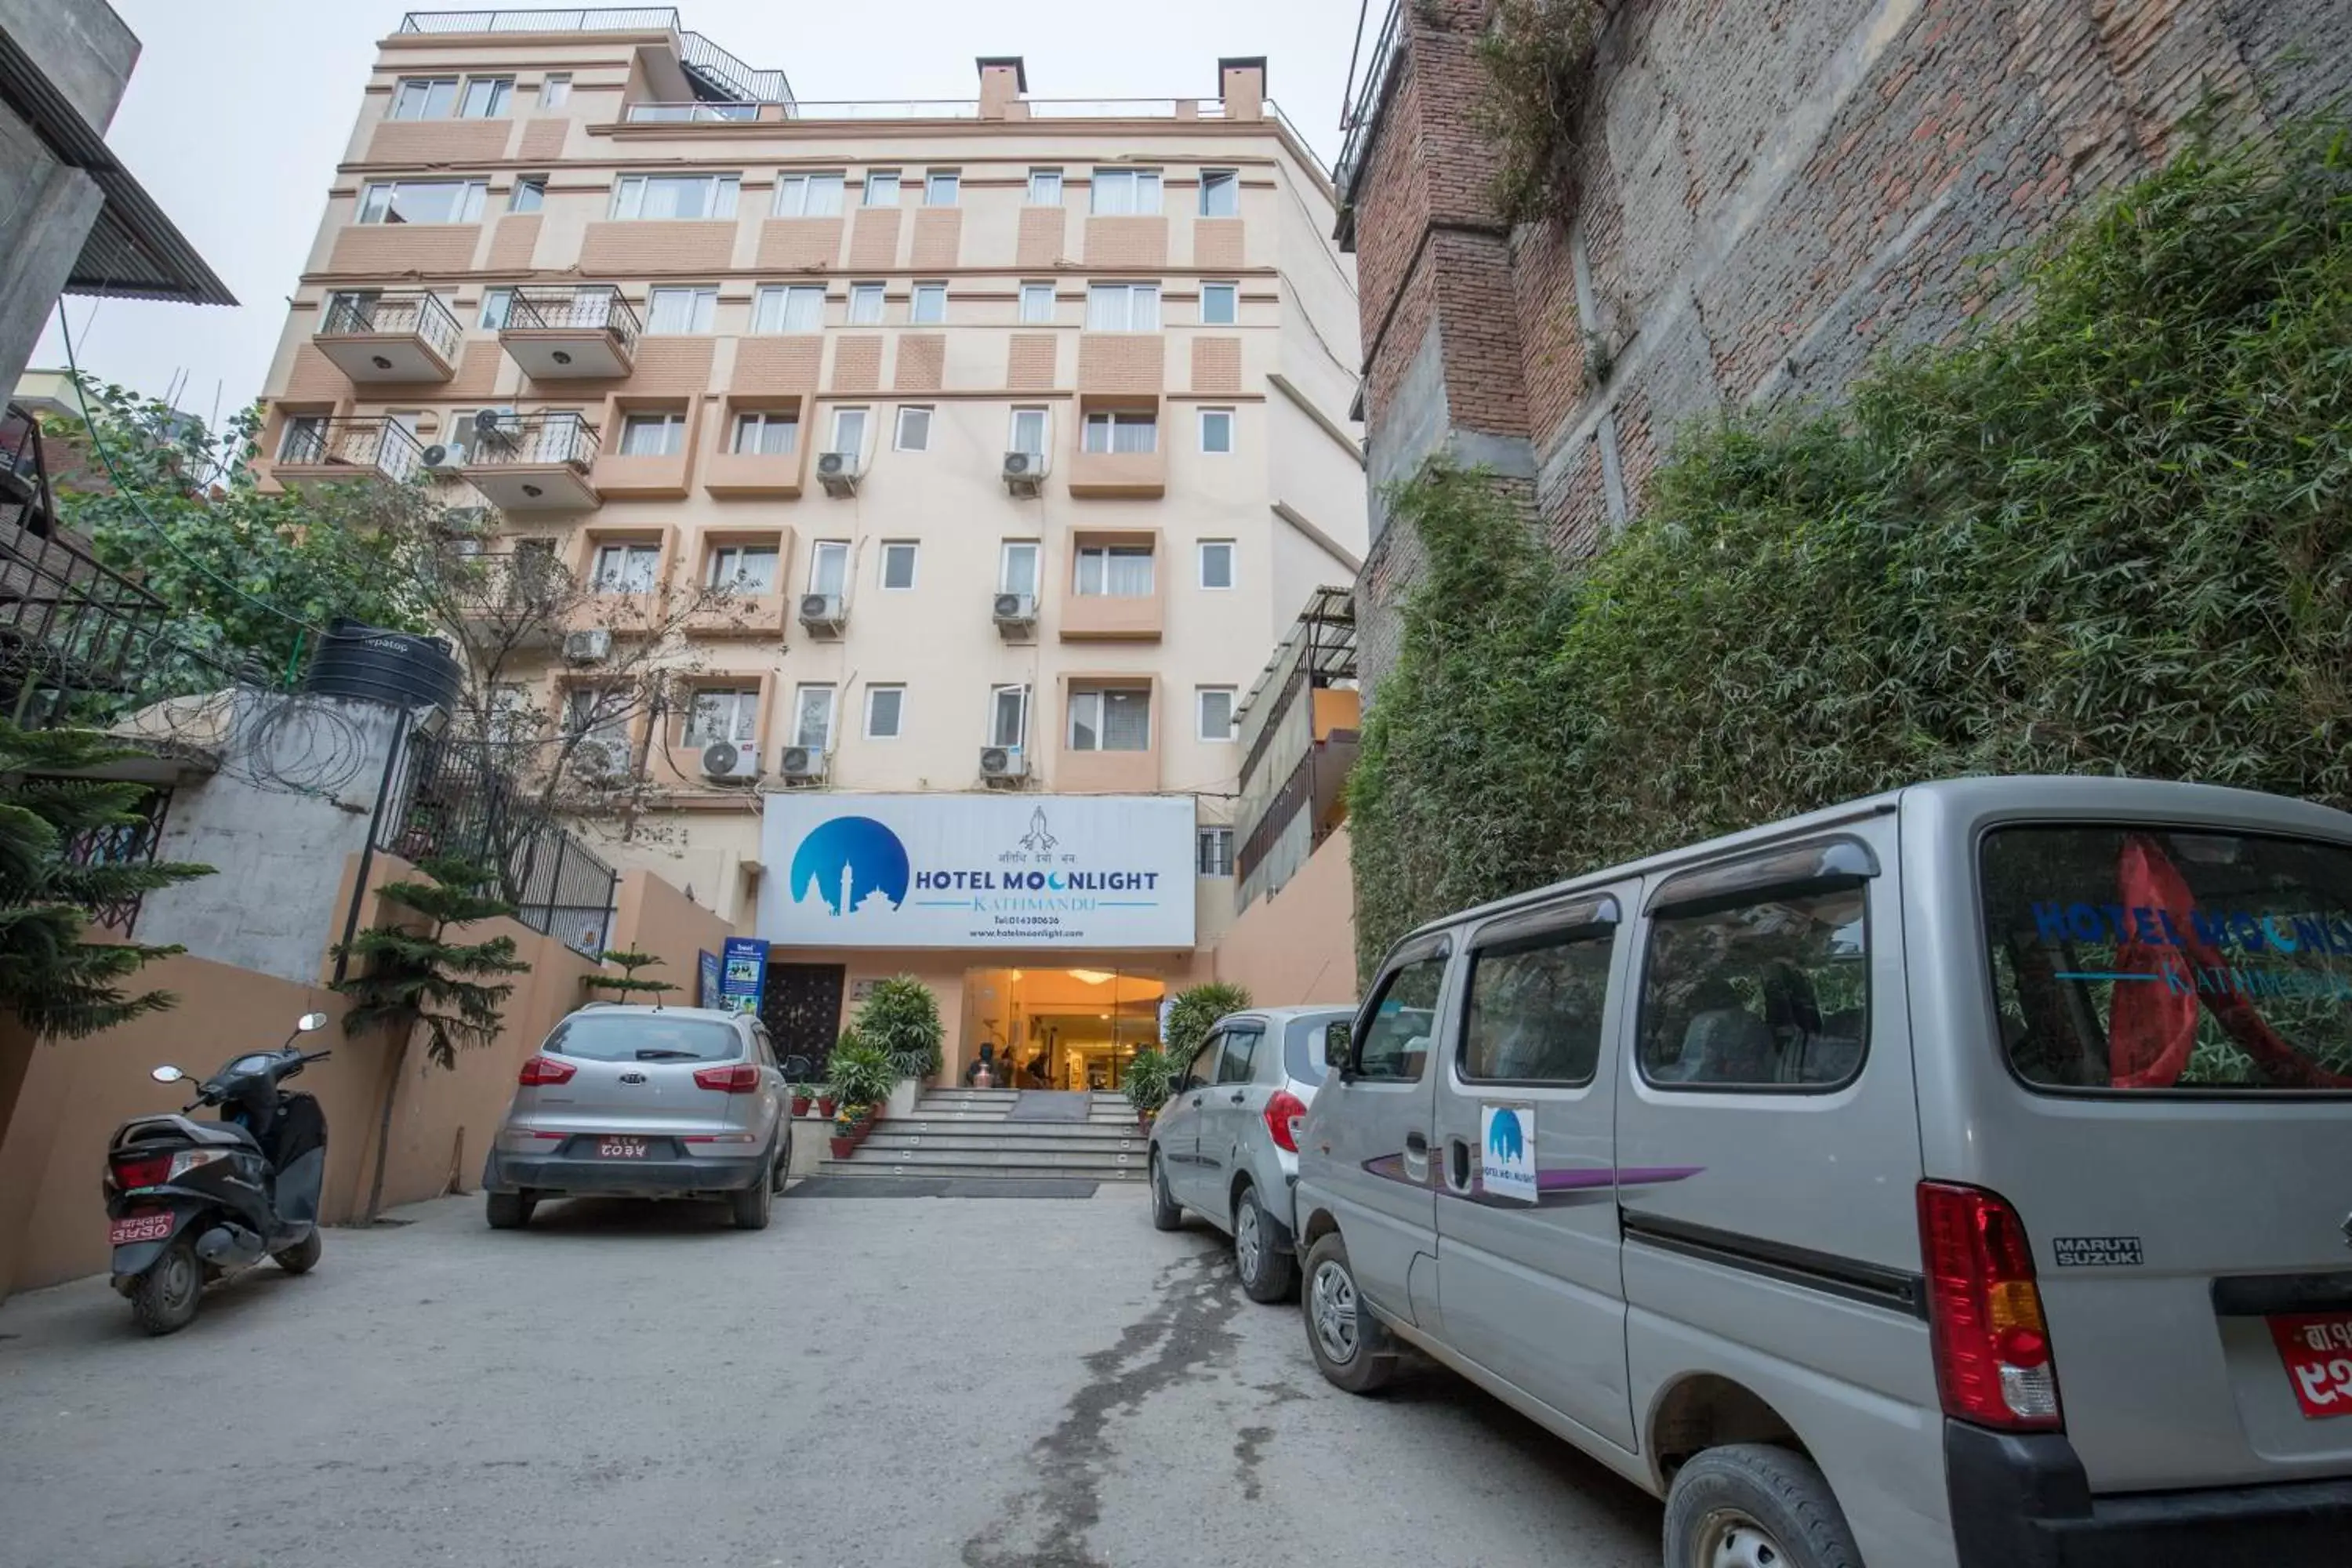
(412, 975)
(901, 1016)
(57, 985)
(626, 982)
(2108, 535)
(1537, 56)
(1149, 1077)
(1195, 1011)
(860, 1072)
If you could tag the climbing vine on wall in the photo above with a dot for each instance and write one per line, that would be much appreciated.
(1538, 58)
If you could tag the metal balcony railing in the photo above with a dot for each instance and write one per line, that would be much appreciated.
(590, 19)
(506, 583)
(1364, 111)
(576, 310)
(692, 112)
(381, 446)
(534, 439)
(726, 77)
(423, 315)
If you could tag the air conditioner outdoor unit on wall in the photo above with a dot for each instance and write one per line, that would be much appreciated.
(443, 457)
(1015, 612)
(1024, 472)
(801, 764)
(1003, 764)
(593, 646)
(824, 614)
(726, 760)
(837, 472)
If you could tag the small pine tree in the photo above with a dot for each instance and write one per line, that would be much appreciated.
(626, 981)
(413, 975)
(60, 986)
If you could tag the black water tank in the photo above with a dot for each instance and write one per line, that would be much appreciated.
(396, 669)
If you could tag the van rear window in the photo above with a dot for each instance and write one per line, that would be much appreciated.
(2161, 960)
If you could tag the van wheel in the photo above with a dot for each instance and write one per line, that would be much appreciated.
(1268, 1273)
(1746, 1505)
(166, 1297)
(506, 1211)
(303, 1256)
(1351, 1350)
(1165, 1213)
(751, 1204)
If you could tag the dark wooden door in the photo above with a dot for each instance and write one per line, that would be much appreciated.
(802, 1011)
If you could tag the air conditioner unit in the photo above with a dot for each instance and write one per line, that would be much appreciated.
(443, 457)
(587, 648)
(1003, 764)
(824, 614)
(1015, 611)
(726, 760)
(837, 472)
(1024, 472)
(494, 427)
(801, 764)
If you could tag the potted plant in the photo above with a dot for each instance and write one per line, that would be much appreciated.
(900, 1018)
(802, 1093)
(861, 1076)
(1150, 1073)
(825, 1101)
(843, 1142)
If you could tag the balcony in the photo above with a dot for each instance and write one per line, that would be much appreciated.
(391, 337)
(516, 598)
(1107, 614)
(315, 449)
(587, 333)
(537, 462)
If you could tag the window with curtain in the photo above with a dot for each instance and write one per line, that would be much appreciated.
(1118, 430)
(625, 568)
(1016, 568)
(724, 713)
(939, 187)
(671, 309)
(882, 189)
(1124, 192)
(675, 195)
(828, 567)
(1036, 304)
(1110, 718)
(866, 304)
(1044, 187)
(744, 568)
(812, 716)
(653, 436)
(1221, 193)
(848, 432)
(808, 195)
(1115, 570)
(1028, 431)
(1123, 308)
(788, 308)
(767, 435)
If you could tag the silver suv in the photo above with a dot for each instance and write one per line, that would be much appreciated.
(648, 1102)
(1226, 1143)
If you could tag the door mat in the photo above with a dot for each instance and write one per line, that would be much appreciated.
(937, 1187)
(1050, 1105)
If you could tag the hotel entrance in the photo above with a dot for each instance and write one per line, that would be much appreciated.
(1056, 1028)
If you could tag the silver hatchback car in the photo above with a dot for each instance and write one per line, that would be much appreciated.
(1226, 1143)
(649, 1102)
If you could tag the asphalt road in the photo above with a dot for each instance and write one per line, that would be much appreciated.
(903, 1383)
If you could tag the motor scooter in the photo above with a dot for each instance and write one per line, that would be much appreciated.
(195, 1202)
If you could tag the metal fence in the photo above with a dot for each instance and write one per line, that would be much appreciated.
(421, 315)
(379, 446)
(1363, 109)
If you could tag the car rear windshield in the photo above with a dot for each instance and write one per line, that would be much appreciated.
(2152, 959)
(1303, 1046)
(641, 1035)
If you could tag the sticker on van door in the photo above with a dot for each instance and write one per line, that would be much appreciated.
(1506, 1141)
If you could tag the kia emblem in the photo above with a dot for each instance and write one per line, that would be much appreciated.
(632, 1077)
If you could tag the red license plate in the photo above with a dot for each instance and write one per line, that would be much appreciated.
(2318, 1351)
(621, 1149)
(138, 1228)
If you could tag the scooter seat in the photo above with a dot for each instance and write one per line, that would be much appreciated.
(214, 1134)
(221, 1132)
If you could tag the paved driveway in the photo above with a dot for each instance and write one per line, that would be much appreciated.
(903, 1383)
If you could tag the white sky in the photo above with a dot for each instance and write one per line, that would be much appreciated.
(239, 108)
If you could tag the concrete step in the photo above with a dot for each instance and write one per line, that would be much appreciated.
(1040, 1163)
(1014, 1148)
(969, 1127)
(1061, 1173)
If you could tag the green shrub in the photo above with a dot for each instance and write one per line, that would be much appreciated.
(1538, 56)
(1149, 1077)
(902, 1017)
(1195, 1011)
(2108, 535)
(860, 1072)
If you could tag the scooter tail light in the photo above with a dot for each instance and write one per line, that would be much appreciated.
(1284, 1113)
(135, 1170)
(1993, 1358)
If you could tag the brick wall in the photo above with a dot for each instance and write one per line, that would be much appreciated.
(764, 365)
(428, 141)
(922, 361)
(1029, 363)
(1218, 242)
(1216, 364)
(513, 238)
(543, 138)
(857, 364)
(938, 238)
(874, 239)
(1122, 362)
(1127, 242)
(642, 246)
(399, 248)
(1044, 239)
(800, 242)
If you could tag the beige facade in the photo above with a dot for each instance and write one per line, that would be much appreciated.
(695, 308)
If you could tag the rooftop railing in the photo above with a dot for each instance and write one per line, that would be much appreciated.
(551, 19)
(422, 314)
(1364, 111)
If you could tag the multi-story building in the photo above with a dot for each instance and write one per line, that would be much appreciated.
(1019, 425)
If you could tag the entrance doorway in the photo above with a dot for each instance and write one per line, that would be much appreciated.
(801, 1008)
(1058, 1029)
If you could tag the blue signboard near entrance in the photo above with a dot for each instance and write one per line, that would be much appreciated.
(743, 973)
(707, 996)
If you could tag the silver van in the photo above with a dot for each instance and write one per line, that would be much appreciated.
(1960, 1176)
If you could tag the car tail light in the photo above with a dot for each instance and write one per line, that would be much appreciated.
(740, 1078)
(1993, 1359)
(1284, 1114)
(141, 1170)
(545, 1069)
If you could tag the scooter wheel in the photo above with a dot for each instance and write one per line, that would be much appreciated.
(303, 1256)
(165, 1299)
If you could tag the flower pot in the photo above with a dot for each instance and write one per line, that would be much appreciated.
(825, 1105)
(843, 1147)
(799, 1105)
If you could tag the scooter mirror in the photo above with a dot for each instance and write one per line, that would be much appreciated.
(311, 1021)
(167, 1075)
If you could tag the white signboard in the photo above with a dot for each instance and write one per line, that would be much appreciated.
(976, 870)
(1507, 1135)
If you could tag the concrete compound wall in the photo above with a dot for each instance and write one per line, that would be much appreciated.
(1298, 944)
(1769, 192)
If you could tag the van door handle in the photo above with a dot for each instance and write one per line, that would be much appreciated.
(1416, 1156)
(1458, 1165)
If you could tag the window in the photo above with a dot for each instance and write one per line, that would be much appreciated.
(1008, 716)
(1535, 1009)
(1036, 304)
(899, 564)
(886, 706)
(2153, 961)
(1017, 567)
(788, 308)
(723, 713)
(1214, 708)
(914, 430)
(848, 432)
(1044, 187)
(930, 304)
(940, 188)
(1241, 1050)
(424, 97)
(1028, 431)
(680, 310)
(744, 568)
(511, 718)
(1216, 563)
(1769, 993)
(1217, 432)
(1212, 851)
(812, 716)
(486, 98)
(530, 193)
(495, 303)
(1395, 1042)
(304, 440)
(882, 189)
(1115, 570)
(866, 304)
(1220, 304)
(828, 567)
(1221, 193)
(423, 201)
(767, 435)
(555, 91)
(599, 718)
(1123, 308)
(1123, 193)
(626, 569)
(653, 435)
(1110, 718)
(675, 195)
(808, 195)
(1203, 1064)
(1120, 431)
